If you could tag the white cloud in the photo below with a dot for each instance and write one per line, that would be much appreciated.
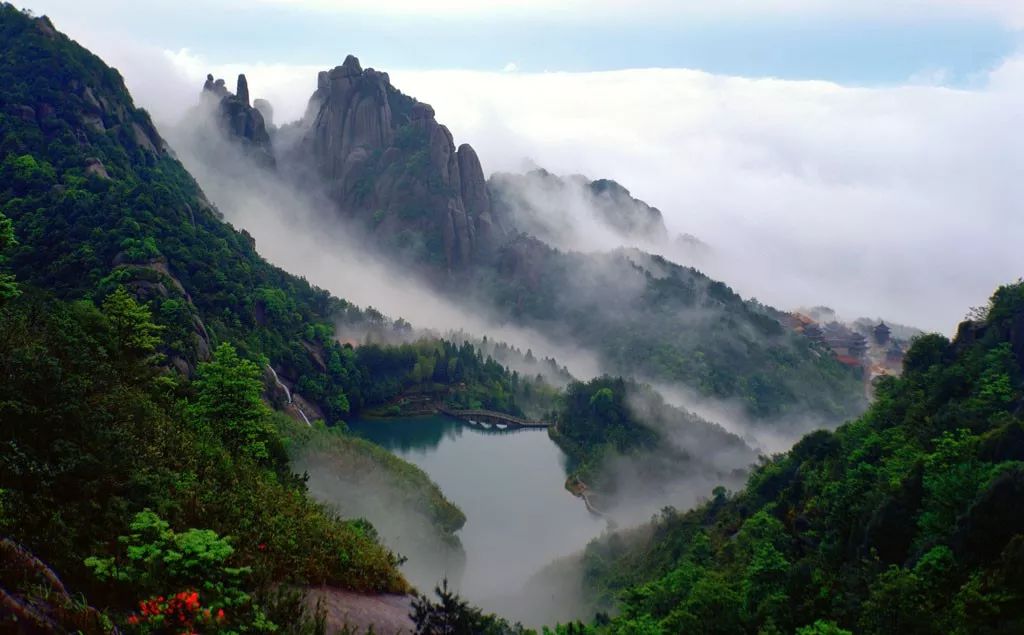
(895, 201)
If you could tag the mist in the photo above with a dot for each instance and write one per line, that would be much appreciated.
(301, 233)
(895, 200)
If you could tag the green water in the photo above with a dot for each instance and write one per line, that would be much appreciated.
(509, 483)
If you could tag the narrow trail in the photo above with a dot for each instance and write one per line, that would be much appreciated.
(288, 394)
(385, 614)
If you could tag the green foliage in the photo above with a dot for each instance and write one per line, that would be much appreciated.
(905, 520)
(228, 399)
(611, 417)
(132, 324)
(156, 560)
(87, 441)
(822, 627)
(8, 288)
(356, 457)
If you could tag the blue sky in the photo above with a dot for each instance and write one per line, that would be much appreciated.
(850, 46)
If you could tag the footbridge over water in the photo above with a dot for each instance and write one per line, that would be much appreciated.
(493, 418)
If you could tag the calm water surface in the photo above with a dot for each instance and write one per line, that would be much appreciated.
(509, 483)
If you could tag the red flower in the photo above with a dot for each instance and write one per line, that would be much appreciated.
(262, 546)
(133, 619)
(220, 615)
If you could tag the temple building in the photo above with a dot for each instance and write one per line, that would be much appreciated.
(882, 333)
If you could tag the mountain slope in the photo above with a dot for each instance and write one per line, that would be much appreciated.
(390, 170)
(134, 378)
(904, 521)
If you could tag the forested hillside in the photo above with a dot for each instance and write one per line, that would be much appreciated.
(608, 420)
(98, 201)
(138, 458)
(907, 520)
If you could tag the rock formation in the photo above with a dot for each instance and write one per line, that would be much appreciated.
(239, 120)
(242, 90)
(380, 156)
(560, 209)
(388, 162)
(266, 110)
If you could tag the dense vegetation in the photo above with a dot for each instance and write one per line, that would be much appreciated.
(97, 202)
(459, 376)
(137, 456)
(906, 520)
(609, 419)
(98, 441)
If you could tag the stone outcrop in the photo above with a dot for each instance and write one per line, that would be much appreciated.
(240, 121)
(555, 208)
(266, 110)
(380, 156)
(388, 162)
(627, 214)
(242, 90)
(552, 207)
(95, 167)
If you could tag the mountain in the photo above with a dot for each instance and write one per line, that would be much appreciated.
(141, 341)
(385, 160)
(560, 210)
(392, 173)
(903, 521)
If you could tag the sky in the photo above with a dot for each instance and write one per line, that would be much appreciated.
(861, 154)
(849, 41)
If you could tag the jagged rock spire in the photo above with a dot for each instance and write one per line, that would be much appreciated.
(242, 92)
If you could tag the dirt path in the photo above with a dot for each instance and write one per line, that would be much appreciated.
(388, 614)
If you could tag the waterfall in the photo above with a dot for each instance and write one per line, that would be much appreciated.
(288, 394)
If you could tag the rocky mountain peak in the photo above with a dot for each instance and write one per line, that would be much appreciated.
(239, 120)
(381, 156)
(387, 161)
(350, 67)
(242, 92)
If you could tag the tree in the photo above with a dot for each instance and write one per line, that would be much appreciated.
(182, 579)
(136, 334)
(228, 399)
(822, 627)
(451, 615)
(8, 288)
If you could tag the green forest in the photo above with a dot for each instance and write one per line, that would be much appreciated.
(140, 460)
(905, 520)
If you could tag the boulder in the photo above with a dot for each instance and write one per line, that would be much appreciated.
(95, 167)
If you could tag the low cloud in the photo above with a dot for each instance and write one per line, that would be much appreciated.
(898, 202)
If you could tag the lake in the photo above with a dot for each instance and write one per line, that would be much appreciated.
(509, 483)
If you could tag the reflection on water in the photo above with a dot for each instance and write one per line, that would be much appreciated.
(417, 434)
(509, 483)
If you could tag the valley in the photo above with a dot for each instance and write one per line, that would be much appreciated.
(337, 375)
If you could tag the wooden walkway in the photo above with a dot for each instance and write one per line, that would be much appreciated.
(489, 416)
